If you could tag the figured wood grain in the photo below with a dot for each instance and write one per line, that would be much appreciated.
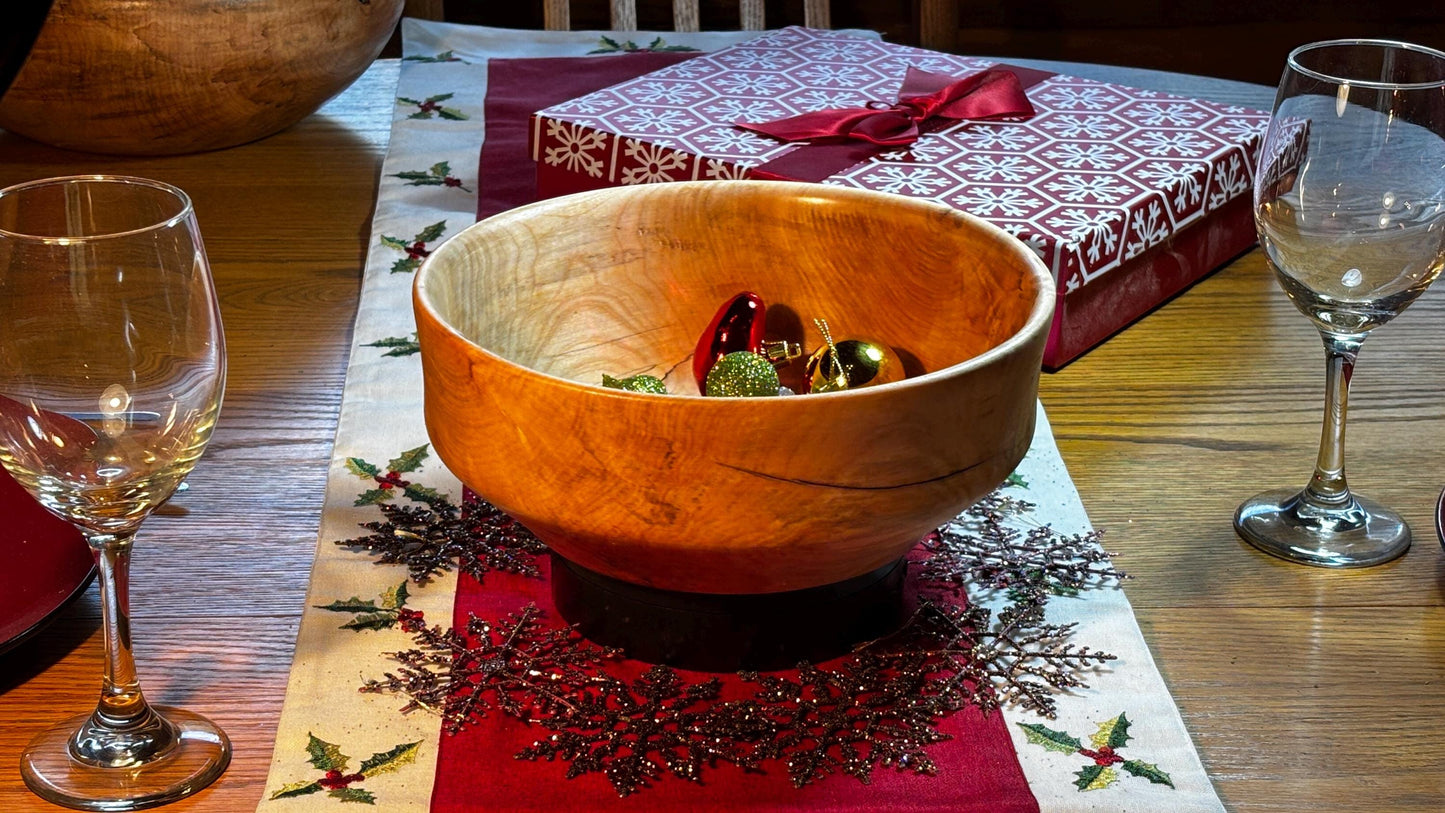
(154, 77)
(520, 316)
(1304, 689)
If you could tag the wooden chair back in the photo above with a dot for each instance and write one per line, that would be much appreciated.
(557, 14)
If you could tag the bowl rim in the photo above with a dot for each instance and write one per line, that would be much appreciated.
(1040, 317)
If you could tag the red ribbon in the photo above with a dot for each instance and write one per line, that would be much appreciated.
(993, 94)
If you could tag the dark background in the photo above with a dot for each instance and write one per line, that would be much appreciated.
(1233, 39)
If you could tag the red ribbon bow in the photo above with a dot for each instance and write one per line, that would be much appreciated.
(992, 94)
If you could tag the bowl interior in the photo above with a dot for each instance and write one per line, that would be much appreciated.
(624, 281)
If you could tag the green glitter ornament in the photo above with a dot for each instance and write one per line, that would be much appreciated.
(636, 383)
(742, 374)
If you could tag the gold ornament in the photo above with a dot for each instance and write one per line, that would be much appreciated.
(850, 364)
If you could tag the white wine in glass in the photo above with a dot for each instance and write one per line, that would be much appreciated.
(112, 366)
(1349, 200)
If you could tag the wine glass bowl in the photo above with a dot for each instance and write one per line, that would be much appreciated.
(112, 366)
(1349, 202)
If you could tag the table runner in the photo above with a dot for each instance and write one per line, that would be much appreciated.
(1115, 744)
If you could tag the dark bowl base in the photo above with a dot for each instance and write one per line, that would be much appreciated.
(726, 633)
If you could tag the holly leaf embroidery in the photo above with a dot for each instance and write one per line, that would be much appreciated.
(350, 605)
(1095, 777)
(1113, 733)
(1050, 739)
(372, 496)
(1016, 479)
(361, 468)
(388, 761)
(353, 795)
(422, 493)
(393, 242)
(397, 345)
(368, 614)
(431, 232)
(325, 755)
(302, 788)
(406, 265)
(1148, 771)
(395, 598)
(409, 460)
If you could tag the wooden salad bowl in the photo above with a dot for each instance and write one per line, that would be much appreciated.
(162, 77)
(521, 314)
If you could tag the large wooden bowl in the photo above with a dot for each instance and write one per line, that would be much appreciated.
(520, 315)
(160, 77)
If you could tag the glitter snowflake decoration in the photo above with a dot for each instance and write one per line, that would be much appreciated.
(881, 706)
(514, 666)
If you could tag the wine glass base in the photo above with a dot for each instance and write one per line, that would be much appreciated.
(1282, 524)
(201, 753)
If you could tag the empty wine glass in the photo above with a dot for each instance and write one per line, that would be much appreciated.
(1349, 200)
(112, 364)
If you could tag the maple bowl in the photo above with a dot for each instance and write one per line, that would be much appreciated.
(520, 315)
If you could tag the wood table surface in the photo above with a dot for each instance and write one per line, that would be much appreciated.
(1304, 689)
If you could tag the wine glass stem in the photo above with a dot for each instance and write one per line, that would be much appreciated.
(1327, 488)
(123, 730)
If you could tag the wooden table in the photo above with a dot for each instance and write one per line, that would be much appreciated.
(1304, 689)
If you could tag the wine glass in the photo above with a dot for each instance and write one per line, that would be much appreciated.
(1349, 201)
(112, 364)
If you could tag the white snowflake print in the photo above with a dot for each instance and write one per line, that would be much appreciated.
(927, 149)
(664, 93)
(1006, 202)
(898, 66)
(589, 104)
(654, 120)
(757, 60)
(1148, 229)
(1166, 114)
(750, 84)
(1032, 239)
(654, 163)
(1092, 230)
(819, 99)
(691, 69)
(994, 137)
(1163, 145)
(838, 50)
(1186, 181)
(1072, 97)
(907, 180)
(1071, 155)
(1242, 128)
(1230, 181)
(1086, 126)
(838, 75)
(731, 141)
(575, 145)
(1010, 168)
(750, 110)
(718, 169)
(784, 37)
(1077, 188)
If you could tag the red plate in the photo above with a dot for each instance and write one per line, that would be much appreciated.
(47, 564)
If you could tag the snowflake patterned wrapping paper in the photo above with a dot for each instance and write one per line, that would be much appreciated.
(1129, 195)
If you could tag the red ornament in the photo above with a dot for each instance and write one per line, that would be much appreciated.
(738, 325)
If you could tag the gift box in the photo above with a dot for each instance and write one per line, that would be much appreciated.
(1128, 195)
